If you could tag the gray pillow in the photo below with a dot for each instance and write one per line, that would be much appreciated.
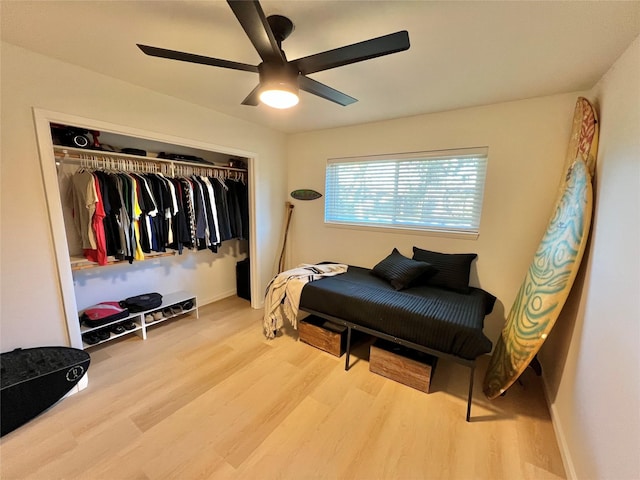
(400, 271)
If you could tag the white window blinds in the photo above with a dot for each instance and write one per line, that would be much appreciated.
(426, 191)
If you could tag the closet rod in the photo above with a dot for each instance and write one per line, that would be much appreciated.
(116, 164)
(145, 166)
(80, 153)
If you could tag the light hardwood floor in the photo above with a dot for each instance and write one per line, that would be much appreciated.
(211, 398)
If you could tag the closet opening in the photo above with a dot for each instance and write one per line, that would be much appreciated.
(194, 220)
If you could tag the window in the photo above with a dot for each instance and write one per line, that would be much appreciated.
(436, 191)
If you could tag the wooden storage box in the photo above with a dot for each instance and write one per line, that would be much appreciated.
(322, 334)
(402, 364)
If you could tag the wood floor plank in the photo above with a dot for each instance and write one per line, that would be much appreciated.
(188, 387)
(79, 462)
(46, 450)
(189, 456)
(268, 416)
(212, 398)
(293, 440)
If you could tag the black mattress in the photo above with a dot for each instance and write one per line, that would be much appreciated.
(435, 318)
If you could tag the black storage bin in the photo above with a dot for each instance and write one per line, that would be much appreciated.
(243, 282)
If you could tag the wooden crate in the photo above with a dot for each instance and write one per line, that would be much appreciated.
(402, 364)
(323, 334)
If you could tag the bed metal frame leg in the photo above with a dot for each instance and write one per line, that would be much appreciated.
(535, 365)
(471, 375)
(346, 363)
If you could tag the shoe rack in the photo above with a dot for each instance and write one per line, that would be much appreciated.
(173, 305)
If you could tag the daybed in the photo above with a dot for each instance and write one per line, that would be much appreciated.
(424, 303)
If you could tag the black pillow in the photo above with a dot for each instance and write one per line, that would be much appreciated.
(452, 268)
(489, 301)
(399, 270)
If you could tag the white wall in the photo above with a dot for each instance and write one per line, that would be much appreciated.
(591, 360)
(527, 143)
(31, 309)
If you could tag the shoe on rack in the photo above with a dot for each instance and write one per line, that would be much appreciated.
(148, 318)
(176, 309)
(103, 334)
(167, 312)
(188, 305)
(117, 329)
(129, 325)
(157, 315)
(90, 338)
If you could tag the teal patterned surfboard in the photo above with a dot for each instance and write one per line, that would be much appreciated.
(552, 272)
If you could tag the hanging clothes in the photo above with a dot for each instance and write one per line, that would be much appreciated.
(187, 193)
(84, 197)
(242, 193)
(111, 205)
(127, 215)
(213, 233)
(99, 253)
(181, 233)
(235, 212)
(220, 192)
(124, 222)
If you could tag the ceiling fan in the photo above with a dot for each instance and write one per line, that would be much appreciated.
(280, 79)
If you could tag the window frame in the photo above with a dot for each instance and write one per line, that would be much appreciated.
(472, 232)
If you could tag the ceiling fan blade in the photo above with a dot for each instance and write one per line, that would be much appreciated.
(255, 25)
(357, 52)
(252, 98)
(320, 89)
(192, 58)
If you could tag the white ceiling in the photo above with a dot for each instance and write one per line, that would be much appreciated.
(462, 53)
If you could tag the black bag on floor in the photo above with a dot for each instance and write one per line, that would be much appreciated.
(141, 303)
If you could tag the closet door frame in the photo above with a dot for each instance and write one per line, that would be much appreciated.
(43, 119)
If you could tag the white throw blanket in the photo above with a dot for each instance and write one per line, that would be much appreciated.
(283, 294)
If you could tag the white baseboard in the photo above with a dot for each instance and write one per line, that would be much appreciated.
(569, 469)
(215, 298)
(229, 293)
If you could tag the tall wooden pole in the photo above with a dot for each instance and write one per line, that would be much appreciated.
(289, 212)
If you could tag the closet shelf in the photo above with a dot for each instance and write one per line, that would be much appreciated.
(81, 263)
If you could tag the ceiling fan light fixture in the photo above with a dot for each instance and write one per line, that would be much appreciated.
(280, 79)
(279, 96)
(278, 85)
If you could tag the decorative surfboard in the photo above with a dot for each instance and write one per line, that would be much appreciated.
(584, 136)
(555, 264)
(305, 194)
(34, 379)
